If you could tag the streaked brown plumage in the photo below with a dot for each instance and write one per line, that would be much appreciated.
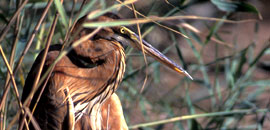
(80, 91)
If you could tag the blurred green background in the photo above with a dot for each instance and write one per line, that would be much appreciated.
(229, 61)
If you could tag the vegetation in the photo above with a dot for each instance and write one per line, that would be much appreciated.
(229, 64)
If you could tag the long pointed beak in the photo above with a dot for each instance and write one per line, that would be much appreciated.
(150, 50)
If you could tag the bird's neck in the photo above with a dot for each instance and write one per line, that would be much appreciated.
(101, 82)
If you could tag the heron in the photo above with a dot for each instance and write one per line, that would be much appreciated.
(80, 92)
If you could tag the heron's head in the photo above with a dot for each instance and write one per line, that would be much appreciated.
(126, 37)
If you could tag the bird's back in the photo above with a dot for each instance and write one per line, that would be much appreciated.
(50, 110)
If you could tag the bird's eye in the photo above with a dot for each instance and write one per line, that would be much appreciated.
(122, 30)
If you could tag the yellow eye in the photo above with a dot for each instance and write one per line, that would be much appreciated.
(122, 30)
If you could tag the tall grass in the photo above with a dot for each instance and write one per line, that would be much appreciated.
(225, 93)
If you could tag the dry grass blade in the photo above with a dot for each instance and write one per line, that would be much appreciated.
(225, 113)
(73, 25)
(12, 77)
(48, 43)
(29, 43)
(11, 63)
(195, 30)
(45, 52)
(143, 51)
(154, 19)
(13, 82)
(156, 22)
(13, 18)
(33, 120)
(97, 13)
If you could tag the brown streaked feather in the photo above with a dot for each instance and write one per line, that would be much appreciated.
(112, 114)
(71, 111)
(50, 98)
(84, 123)
(66, 74)
(81, 81)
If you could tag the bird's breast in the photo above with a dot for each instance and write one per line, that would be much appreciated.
(89, 86)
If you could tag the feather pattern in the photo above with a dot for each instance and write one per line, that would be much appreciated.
(80, 82)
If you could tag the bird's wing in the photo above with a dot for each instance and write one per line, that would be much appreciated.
(51, 109)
